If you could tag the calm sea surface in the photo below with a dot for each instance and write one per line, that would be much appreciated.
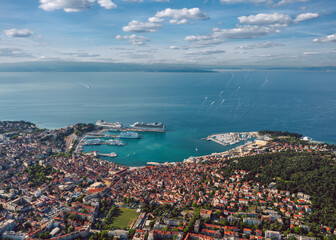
(192, 105)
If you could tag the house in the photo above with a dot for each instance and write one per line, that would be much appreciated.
(205, 213)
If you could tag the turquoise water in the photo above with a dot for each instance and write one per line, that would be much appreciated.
(297, 101)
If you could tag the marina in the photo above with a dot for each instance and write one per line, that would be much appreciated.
(232, 138)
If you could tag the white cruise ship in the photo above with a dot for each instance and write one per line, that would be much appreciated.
(114, 125)
(149, 126)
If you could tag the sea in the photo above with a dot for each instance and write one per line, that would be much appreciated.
(192, 105)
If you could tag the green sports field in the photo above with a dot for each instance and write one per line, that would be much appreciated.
(125, 217)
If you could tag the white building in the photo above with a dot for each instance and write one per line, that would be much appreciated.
(7, 226)
(14, 235)
(273, 234)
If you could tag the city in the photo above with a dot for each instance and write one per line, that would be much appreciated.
(49, 192)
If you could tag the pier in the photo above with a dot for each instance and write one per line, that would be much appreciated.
(113, 154)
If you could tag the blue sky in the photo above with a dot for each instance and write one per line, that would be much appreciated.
(212, 32)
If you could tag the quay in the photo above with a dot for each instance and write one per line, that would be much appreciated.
(113, 154)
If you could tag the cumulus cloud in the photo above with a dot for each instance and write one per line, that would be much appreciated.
(260, 45)
(204, 40)
(134, 39)
(136, 26)
(278, 19)
(108, 4)
(326, 39)
(218, 36)
(175, 21)
(243, 32)
(283, 2)
(306, 16)
(18, 32)
(178, 48)
(275, 19)
(14, 53)
(184, 13)
(155, 20)
(73, 5)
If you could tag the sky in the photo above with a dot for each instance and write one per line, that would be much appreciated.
(273, 33)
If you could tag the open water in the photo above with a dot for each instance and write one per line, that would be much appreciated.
(192, 105)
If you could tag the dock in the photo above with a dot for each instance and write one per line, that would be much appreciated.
(113, 154)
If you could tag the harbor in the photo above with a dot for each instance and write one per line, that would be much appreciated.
(114, 134)
(136, 127)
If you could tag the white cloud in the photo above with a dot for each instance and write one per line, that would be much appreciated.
(243, 32)
(66, 5)
(192, 13)
(306, 16)
(276, 19)
(81, 55)
(175, 21)
(155, 20)
(134, 39)
(204, 40)
(260, 45)
(218, 36)
(326, 39)
(206, 52)
(283, 2)
(178, 48)
(108, 4)
(136, 26)
(74, 5)
(18, 32)
(310, 53)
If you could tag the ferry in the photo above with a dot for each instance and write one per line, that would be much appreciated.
(131, 135)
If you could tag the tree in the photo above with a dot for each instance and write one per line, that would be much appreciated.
(298, 230)
(70, 229)
(72, 216)
(131, 233)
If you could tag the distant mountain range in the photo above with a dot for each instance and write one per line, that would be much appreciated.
(63, 66)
